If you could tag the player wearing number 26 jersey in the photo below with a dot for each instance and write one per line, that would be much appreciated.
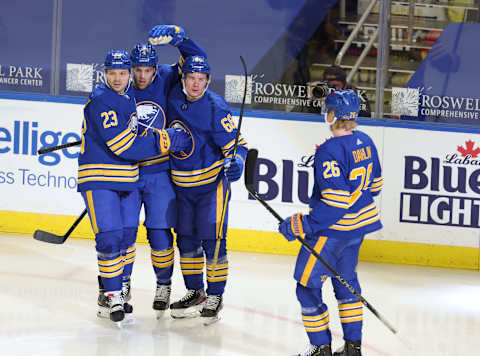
(342, 210)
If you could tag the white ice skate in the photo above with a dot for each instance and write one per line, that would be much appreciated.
(111, 306)
(161, 301)
(212, 307)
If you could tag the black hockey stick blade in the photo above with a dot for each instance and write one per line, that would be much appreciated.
(60, 147)
(48, 237)
(45, 236)
(250, 169)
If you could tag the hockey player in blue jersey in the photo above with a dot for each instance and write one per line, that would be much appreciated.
(155, 191)
(201, 175)
(108, 172)
(347, 176)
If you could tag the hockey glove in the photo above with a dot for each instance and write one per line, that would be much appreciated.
(294, 226)
(233, 168)
(166, 34)
(179, 139)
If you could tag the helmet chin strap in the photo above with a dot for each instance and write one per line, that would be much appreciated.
(188, 95)
(330, 123)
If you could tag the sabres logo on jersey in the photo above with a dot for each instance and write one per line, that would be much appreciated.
(150, 114)
(188, 152)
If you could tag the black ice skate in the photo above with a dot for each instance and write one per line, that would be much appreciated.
(102, 301)
(315, 350)
(212, 307)
(351, 348)
(161, 301)
(189, 306)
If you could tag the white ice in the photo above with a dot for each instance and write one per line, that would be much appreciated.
(48, 307)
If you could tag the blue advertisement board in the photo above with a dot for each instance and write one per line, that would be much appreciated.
(26, 46)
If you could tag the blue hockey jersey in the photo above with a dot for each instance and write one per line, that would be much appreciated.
(212, 130)
(347, 177)
(110, 145)
(152, 102)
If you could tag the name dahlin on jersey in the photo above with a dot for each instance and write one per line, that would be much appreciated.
(443, 191)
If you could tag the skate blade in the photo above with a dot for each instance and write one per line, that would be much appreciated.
(103, 313)
(159, 314)
(182, 315)
(210, 320)
(128, 320)
(190, 312)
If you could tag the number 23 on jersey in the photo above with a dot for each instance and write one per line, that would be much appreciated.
(109, 119)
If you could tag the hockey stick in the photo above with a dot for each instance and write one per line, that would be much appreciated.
(242, 107)
(45, 236)
(60, 147)
(235, 146)
(250, 167)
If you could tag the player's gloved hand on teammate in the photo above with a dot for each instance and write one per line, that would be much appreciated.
(166, 34)
(233, 168)
(179, 139)
(294, 226)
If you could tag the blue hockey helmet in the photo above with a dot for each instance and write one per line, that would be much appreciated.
(196, 64)
(117, 59)
(344, 103)
(143, 54)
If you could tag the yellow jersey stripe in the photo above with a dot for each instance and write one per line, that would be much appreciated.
(126, 146)
(196, 178)
(355, 226)
(198, 171)
(361, 217)
(108, 166)
(107, 172)
(119, 137)
(107, 179)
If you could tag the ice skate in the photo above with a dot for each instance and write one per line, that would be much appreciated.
(112, 307)
(190, 305)
(127, 307)
(315, 350)
(212, 307)
(161, 301)
(351, 348)
(102, 301)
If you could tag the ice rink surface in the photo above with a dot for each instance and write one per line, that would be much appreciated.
(48, 296)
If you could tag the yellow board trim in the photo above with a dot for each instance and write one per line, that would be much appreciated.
(409, 253)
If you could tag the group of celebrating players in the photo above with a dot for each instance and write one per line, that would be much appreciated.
(168, 143)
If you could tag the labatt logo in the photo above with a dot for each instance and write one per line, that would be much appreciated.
(443, 192)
